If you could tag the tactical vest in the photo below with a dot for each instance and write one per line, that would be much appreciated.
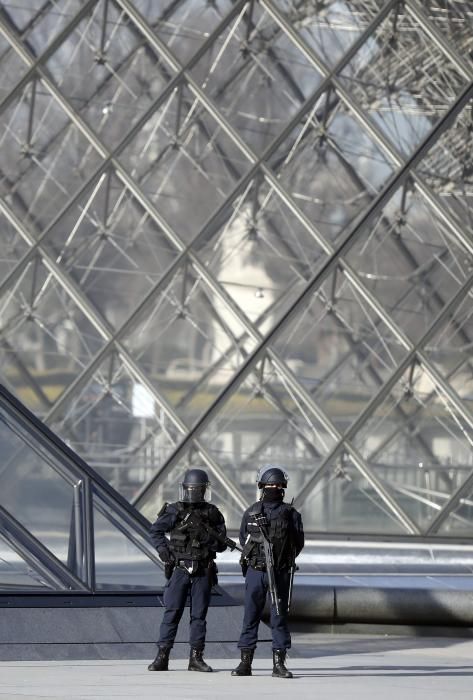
(279, 531)
(192, 542)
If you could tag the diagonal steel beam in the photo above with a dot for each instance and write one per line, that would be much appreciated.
(379, 138)
(464, 490)
(364, 220)
(415, 9)
(215, 219)
(104, 166)
(211, 108)
(107, 334)
(40, 558)
(442, 318)
(52, 48)
(270, 176)
(413, 416)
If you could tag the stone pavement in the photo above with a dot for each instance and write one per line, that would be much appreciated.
(325, 667)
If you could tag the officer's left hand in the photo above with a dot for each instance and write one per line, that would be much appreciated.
(165, 555)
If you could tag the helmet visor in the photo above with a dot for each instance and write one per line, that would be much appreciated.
(195, 493)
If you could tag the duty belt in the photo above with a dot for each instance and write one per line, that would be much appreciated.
(259, 566)
(189, 565)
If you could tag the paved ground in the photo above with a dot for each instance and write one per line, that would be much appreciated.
(325, 667)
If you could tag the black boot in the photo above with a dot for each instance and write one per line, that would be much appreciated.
(279, 669)
(244, 667)
(161, 661)
(196, 662)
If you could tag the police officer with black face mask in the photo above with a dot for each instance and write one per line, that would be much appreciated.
(272, 521)
(189, 557)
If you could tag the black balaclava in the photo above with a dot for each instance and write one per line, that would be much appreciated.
(273, 495)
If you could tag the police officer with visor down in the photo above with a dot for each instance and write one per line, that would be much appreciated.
(196, 532)
(272, 536)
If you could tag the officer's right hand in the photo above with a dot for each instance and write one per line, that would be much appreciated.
(165, 555)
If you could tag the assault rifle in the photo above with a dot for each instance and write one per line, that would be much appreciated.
(193, 520)
(262, 523)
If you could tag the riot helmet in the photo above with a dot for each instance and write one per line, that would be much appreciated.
(195, 487)
(271, 475)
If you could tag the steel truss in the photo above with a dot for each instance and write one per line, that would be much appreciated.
(239, 232)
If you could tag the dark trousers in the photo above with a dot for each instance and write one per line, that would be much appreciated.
(256, 589)
(178, 587)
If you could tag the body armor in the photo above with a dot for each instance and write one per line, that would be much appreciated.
(192, 542)
(279, 535)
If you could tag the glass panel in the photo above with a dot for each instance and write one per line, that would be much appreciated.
(253, 248)
(12, 68)
(40, 169)
(256, 77)
(419, 444)
(188, 346)
(13, 246)
(402, 80)
(15, 573)
(265, 420)
(37, 26)
(112, 249)
(339, 349)
(185, 25)
(450, 351)
(261, 255)
(447, 170)
(460, 521)
(115, 424)
(45, 492)
(34, 489)
(184, 162)
(410, 262)
(119, 562)
(331, 167)
(343, 501)
(47, 340)
(329, 30)
(106, 73)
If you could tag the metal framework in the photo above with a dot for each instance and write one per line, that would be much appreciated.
(61, 525)
(240, 231)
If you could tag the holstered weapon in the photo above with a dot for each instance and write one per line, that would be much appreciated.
(212, 572)
(268, 554)
(244, 565)
(169, 567)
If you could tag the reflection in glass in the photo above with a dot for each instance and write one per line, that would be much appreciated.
(119, 562)
(343, 501)
(15, 573)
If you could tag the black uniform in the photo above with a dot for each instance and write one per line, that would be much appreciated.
(287, 536)
(194, 552)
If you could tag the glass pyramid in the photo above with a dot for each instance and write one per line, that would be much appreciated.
(240, 231)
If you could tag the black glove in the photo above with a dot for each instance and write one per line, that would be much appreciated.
(244, 566)
(165, 555)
